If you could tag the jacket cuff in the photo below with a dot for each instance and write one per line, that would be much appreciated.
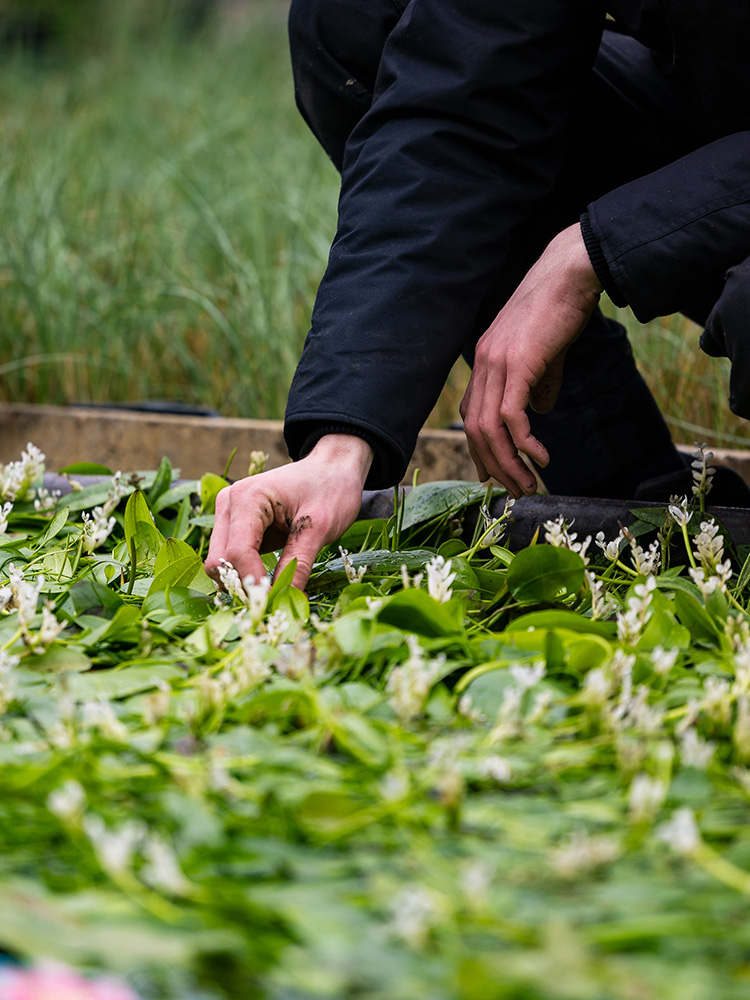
(301, 437)
(599, 262)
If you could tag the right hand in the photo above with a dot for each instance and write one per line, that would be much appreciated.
(300, 507)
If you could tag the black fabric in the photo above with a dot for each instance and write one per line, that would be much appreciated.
(467, 135)
(727, 335)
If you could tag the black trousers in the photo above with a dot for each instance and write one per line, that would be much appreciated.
(606, 434)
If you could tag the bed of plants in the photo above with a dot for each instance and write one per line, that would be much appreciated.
(447, 771)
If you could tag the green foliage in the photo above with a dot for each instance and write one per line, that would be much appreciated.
(535, 786)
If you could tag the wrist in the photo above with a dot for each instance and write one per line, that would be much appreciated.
(569, 247)
(348, 452)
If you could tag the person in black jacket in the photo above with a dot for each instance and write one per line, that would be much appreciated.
(503, 164)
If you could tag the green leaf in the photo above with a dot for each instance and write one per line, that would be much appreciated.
(140, 530)
(86, 469)
(54, 527)
(431, 500)
(178, 565)
(545, 573)
(415, 611)
(59, 659)
(211, 485)
(162, 482)
(565, 619)
(694, 616)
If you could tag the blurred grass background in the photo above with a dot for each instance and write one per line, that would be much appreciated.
(165, 217)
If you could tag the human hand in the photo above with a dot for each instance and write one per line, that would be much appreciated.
(519, 361)
(302, 507)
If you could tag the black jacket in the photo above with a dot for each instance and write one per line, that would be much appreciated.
(466, 139)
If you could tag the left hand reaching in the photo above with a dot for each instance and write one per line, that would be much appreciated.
(519, 361)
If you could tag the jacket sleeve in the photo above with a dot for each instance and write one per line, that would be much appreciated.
(463, 139)
(664, 243)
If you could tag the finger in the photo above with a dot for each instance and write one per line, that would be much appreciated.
(307, 536)
(518, 425)
(251, 515)
(482, 473)
(218, 541)
(490, 446)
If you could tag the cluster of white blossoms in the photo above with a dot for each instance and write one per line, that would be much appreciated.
(5, 511)
(681, 832)
(646, 562)
(630, 623)
(353, 575)
(410, 683)
(494, 527)
(510, 720)
(98, 525)
(677, 510)
(714, 571)
(117, 848)
(22, 596)
(703, 473)
(99, 715)
(251, 595)
(558, 533)
(602, 604)
(16, 478)
(440, 579)
(645, 797)
(582, 853)
(415, 911)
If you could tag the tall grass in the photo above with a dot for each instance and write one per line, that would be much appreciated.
(164, 221)
(165, 218)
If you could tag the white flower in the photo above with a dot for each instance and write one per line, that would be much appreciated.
(406, 582)
(696, 752)
(352, 575)
(410, 683)
(162, 871)
(645, 563)
(596, 687)
(230, 581)
(96, 528)
(611, 549)
(583, 853)
(558, 533)
(440, 579)
(114, 848)
(494, 527)
(717, 699)
(17, 477)
(645, 796)
(100, 715)
(294, 659)
(663, 659)
(703, 474)
(414, 912)
(44, 500)
(474, 882)
(527, 677)
(678, 510)
(681, 833)
(67, 801)
(257, 464)
(50, 629)
(601, 603)
(5, 512)
(276, 627)
(497, 768)
(630, 623)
